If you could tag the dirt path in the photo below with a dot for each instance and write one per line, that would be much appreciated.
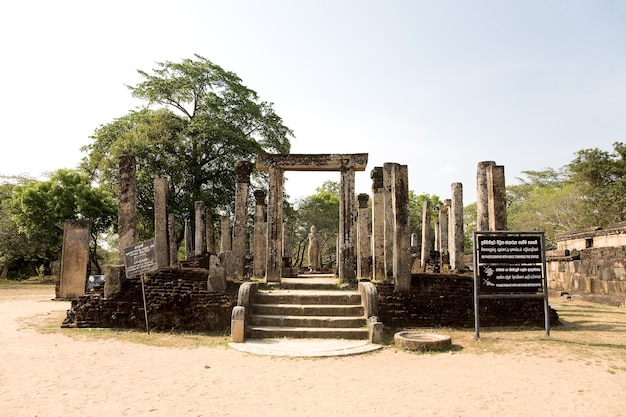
(50, 375)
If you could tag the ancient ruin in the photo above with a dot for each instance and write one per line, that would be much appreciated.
(235, 287)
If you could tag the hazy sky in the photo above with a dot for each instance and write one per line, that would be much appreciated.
(436, 85)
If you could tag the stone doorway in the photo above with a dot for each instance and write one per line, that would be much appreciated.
(346, 165)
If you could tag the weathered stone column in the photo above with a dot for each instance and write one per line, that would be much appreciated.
(200, 231)
(401, 242)
(171, 232)
(378, 225)
(427, 244)
(74, 258)
(414, 241)
(275, 224)
(127, 204)
(497, 197)
(287, 249)
(363, 254)
(389, 216)
(482, 195)
(444, 254)
(260, 235)
(210, 232)
(240, 230)
(160, 223)
(456, 240)
(347, 237)
(188, 240)
(225, 243)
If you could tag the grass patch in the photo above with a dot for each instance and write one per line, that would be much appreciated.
(589, 332)
(50, 323)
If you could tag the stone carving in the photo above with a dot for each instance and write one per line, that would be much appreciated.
(315, 250)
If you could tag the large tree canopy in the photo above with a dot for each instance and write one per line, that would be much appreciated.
(198, 121)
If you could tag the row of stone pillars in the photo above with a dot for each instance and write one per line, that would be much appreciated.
(380, 254)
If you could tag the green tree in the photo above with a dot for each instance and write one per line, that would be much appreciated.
(547, 201)
(16, 250)
(40, 209)
(198, 121)
(416, 212)
(601, 178)
(470, 213)
(322, 211)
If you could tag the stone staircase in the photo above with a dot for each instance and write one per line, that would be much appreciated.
(304, 308)
(307, 314)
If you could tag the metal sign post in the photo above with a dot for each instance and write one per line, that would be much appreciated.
(145, 306)
(140, 259)
(509, 264)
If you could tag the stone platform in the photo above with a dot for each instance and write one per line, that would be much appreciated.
(305, 347)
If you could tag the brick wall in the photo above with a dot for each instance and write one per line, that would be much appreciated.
(448, 300)
(178, 300)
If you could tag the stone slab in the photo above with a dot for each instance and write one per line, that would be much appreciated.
(305, 347)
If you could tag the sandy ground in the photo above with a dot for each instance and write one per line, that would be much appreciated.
(56, 375)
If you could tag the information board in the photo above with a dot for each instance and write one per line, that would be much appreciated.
(509, 264)
(140, 258)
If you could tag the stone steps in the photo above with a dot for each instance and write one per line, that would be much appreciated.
(307, 313)
(272, 332)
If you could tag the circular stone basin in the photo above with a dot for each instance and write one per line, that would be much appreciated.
(422, 341)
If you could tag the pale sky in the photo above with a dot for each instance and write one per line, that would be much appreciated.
(435, 85)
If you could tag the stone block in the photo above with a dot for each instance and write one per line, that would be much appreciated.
(237, 325)
(217, 275)
(115, 274)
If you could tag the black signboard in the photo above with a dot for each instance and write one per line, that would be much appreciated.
(509, 264)
(140, 258)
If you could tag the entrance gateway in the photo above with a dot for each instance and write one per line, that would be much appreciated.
(346, 165)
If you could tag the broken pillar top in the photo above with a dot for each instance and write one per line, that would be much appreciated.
(312, 162)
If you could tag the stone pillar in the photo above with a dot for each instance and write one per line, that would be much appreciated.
(482, 195)
(160, 223)
(389, 216)
(210, 232)
(444, 254)
(171, 231)
(427, 245)
(401, 242)
(240, 229)
(200, 231)
(378, 225)
(259, 242)
(273, 264)
(188, 240)
(347, 237)
(127, 204)
(225, 245)
(414, 241)
(456, 240)
(497, 197)
(363, 253)
(287, 249)
(74, 258)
